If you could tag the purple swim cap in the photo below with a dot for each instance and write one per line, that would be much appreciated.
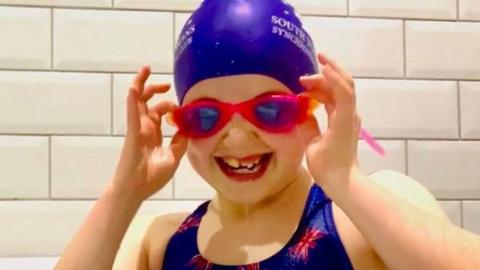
(233, 37)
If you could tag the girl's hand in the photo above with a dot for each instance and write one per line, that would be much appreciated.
(333, 154)
(145, 165)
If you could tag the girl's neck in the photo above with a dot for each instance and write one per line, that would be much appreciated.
(290, 199)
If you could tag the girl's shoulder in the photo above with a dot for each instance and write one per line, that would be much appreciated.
(158, 234)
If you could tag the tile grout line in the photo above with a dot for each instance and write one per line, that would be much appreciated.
(111, 104)
(406, 158)
(339, 15)
(49, 167)
(404, 49)
(132, 72)
(459, 111)
(458, 10)
(461, 213)
(51, 38)
(348, 8)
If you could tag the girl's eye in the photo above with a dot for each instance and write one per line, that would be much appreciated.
(267, 112)
(276, 112)
(204, 118)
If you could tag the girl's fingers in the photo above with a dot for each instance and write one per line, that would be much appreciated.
(141, 78)
(343, 94)
(324, 60)
(133, 115)
(163, 107)
(154, 89)
(317, 87)
(177, 147)
(139, 83)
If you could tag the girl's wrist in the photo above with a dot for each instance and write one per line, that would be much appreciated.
(119, 193)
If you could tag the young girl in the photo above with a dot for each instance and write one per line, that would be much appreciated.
(247, 81)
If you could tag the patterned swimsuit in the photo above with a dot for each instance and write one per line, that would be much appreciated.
(314, 245)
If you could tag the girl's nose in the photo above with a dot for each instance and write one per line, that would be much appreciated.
(239, 129)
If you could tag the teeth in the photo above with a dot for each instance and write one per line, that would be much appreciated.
(232, 162)
(235, 163)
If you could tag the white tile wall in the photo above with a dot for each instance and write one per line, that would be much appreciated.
(112, 40)
(178, 5)
(60, 3)
(82, 166)
(453, 209)
(26, 35)
(375, 46)
(121, 83)
(469, 9)
(471, 211)
(394, 159)
(65, 67)
(28, 263)
(24, 163)
(324, 7)
(43, 228)
(429, 9)
(409, 109)
(470, 111)
(448, 168)
(447, 50)
(54, 102)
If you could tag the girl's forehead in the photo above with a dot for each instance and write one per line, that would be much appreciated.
(234, 88)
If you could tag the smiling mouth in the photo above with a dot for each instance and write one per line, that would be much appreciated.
(245, 169)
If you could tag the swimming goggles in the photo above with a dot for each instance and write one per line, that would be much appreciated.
(273, 112)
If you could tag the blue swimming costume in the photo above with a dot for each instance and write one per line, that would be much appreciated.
(314, 245)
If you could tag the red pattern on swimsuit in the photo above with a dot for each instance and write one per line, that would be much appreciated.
(306, 242)
(200, 263)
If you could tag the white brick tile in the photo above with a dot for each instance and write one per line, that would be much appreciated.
(447, 168)
(44, 228)
(470, 112)
(443, 49)
(325, 7)
(180, 20)
(121, 84)
(453, 209)
(364, 47)
(469, 9)
(177, 5)
(189, 184)
(471, 216)
(60, 3)
(51, 102)
(112, 40)
(26, 35)
(404, 108)
(394, 159)
(82, 166)
(427, 9)
(24, 172)
(28, 263)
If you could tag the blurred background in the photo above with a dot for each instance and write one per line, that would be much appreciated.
(65, 67)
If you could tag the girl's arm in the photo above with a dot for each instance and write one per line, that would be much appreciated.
(95, 244)
(404, 235)
(145, 166)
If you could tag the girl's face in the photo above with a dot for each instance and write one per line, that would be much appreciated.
(239, 138)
